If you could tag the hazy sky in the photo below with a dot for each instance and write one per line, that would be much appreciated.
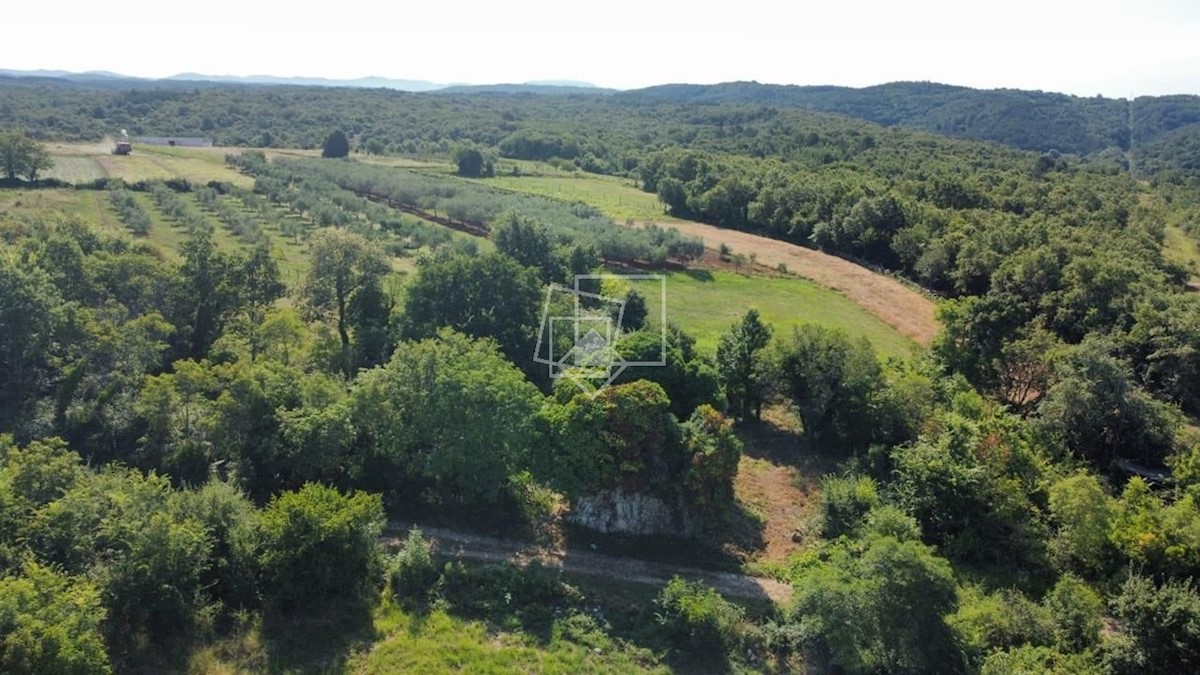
(1111, 47)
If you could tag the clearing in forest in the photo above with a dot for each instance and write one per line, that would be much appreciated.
(898, 305)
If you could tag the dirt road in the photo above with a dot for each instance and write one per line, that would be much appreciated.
(898, 305)
(477, 547)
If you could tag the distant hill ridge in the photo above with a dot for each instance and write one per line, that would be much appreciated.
(1154, 132)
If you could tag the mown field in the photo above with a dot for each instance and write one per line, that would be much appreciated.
(618, 198)
(706, 303)
(80, 163)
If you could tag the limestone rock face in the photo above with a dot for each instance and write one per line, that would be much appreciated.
(623, 512)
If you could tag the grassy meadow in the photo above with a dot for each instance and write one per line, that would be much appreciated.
(616, 197)
(706, 303)
(80, 163)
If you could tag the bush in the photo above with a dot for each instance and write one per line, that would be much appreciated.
(132, 215)
(845, 500)
(1002, 620)
(1077, 612)
(50, 624)
(412, 572)
(1031, 659)
(1161, 628)
(697, 617)
(318, 544)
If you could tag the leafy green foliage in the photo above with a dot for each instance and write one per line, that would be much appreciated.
(1082, 511)
(23, 157)
(1077, 612)
(1161, 627)
(336, 145)
(50, 623)
(1101, 415)
(318, 544)
(715, 451)
(471, 162)
(741, 366)
(830, 380)
(485, 296)
(689, 379)
(1002, 620)
(845, 502)
(132, 214)
(448, 410)
(625, 435)
(529, 243)
(346, 266)
(412, 572)
(1162, 537)
(882, 609)
(697, 617)
(30, 309)
(970, 483)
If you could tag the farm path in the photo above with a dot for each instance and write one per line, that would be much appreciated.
(456, 544)
(898, 305)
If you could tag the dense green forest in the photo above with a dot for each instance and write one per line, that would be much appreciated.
(198, 455)
(602, 129)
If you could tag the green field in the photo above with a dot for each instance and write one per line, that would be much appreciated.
(75, 169)
(706, 304)
(76, 163)
(616, 197)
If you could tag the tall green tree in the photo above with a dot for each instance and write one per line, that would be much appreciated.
(740, 364)
(472, 162)
(1160, 628)
(450, 412)
(343, 263)
(210, 292)
(490, 296)
(336, 145)
(881, 611)
(1099, 413)
(529, 243)
(30, 309)
(22, 156)
(830, 379)
(50, 623)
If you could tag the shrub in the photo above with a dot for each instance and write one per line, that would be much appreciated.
(318, 544)
(1002, 620)
(1161, 628)
(412, 572)
(1031, 659)
(50, 623)
(845, 500)
(697, 617)
(1077, 612)
(517, 598)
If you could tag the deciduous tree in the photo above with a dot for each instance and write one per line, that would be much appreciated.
(740, 364)
(343, 263)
